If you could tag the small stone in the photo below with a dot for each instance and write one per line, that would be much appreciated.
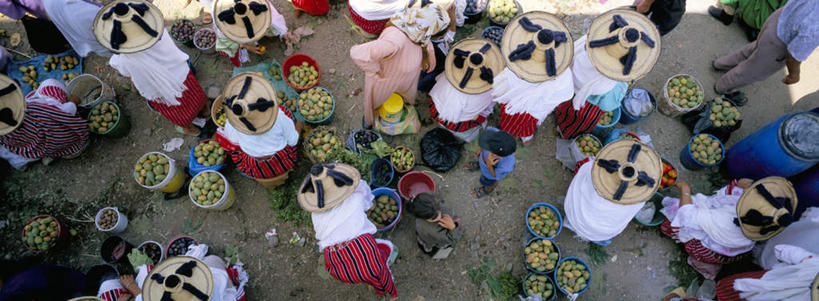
(331, 71)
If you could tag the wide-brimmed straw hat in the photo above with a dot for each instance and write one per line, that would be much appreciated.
(537, 46)
(627, 172)
(242, 21)
(250, 103)
(12, 105)
(472, 65)
(623, 44)
(128, 26)
(766, 208)
(814, 289)
(179, 278)
(327, 185)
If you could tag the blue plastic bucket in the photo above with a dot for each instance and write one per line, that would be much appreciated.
(627, 118)
(588, 281)
(784, 147)
(324, 121)
(394, 195)
(806, 185)
(552, 281)
(600, 130)
(557, 213)
(195, 168)
(390, 177)
(688, 160)
(530, 268)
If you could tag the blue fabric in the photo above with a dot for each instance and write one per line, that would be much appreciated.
(798, 29)
(44, 282)
(427, 80)
(612, 99)
(487, 182)
(505, 166)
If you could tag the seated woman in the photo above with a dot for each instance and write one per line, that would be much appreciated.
(43, 125)
(436, 226)
(234, 37)
(441, 44)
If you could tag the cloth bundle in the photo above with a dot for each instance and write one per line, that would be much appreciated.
(536, 99)
(158, 72)
(783, 282)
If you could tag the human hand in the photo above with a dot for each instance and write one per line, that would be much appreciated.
(255, 49)
(683, 186)
(791, 79)
(744, 183)
(129, 284)
(642, 7)
(446, 222)
(492, 159)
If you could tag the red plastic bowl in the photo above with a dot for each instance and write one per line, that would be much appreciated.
(297, 59)
(62, 233)
(415, 182)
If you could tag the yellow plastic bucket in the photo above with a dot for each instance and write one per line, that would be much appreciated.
(392, 109)
(173, 182)
(224, 202)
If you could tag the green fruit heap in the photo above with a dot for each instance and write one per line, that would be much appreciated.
(303, 76)
(65, 63)
(684, 92)
(41, 234)
(541, 255)
(723, 113)
(67, 77)
(706, 150)
(30, 76)
(315, 104)
(290, 104)
(275, 71)
(103, 116)
(501, 11)
(383, 212)
(402, 159)
(108, 219)
(572, 276)
(207, 188)
(588, 145)
(543, 221)
(209, 153)
(321, 143)
(539, 285)
(606, 118)
(221, 117)
(151, 169)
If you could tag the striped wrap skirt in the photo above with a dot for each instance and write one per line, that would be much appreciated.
(572, 123)
(519, 125)
(361, 260)
(46, 131)
(370, 26)
(458, 127)
(725, 287)
(190, 104)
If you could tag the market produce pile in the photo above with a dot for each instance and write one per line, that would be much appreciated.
(539, 285)
(41, 234)
(30, 76)
(402, 158)
(588, 145)
(207, 188)
(684, 92)
(152, 250)
(383, 212)
(723, 113)
(303, 76)
(182, 30)
(67, 77)
(606, 118)
(150, 170)
(321, 143)
(180, 246)
(541, 255)
(209, 153)
(382, 175)
(205, 38)
(364, 139)
(494, 34)
(706, 150)
(572, 276)
(474, 6)
(61, 63)
(543, 221)
(669, 176)
(502, 11)
(103, 117)
(221, 116)
(315, 104)
(290, 104)
(275, 71)
(108, 219)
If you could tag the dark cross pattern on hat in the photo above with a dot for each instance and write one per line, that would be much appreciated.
(173, 281)
(476, 59)
(240, 9)
(545, 37)
(121, 9)
(339, 179)
(755, 218)
(6, 114)
(612, 166)
(260, 105)
(424, 3)
(631, 36)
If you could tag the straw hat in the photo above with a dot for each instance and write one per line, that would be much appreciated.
(12, 105)
(623, 44)
(627, 172)
(243, 21)
(814, 289)
(766, 208)
(472, 65)
(128, 26)
(537, 46)
(327, 185)
(250, 103)
(180, 278)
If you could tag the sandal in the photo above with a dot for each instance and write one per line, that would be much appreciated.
(737, 98)
(480, 192)
(473, 166)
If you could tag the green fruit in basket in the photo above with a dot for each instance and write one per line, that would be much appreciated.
(606, 119)
(588, 145)
(705, 149)
(303, 76)
(315, 104)
(539, 285)
(103, 116)
(543, 221)
(208, 188)
(541, 255)
(572, 276)
(152, 169)
(209, 153)
(684, 92)
(321, 143)
(383, 212)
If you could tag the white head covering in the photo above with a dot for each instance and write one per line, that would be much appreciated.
(281, 134)
(377, 9)
(158, 72)
(536, 99)
(75, 18)
(421, 23)
(457, 106)
(587, 80)
(783, 282)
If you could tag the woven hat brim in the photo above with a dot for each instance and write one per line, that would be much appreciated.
(259, 87)
(534, 70)
(14, 101)
(611, 67)
(309, 201)
(814, 289)
(236, 32)
(202, 280)
(647, 160)
(492, 59)
(751, 199)
(137, 39)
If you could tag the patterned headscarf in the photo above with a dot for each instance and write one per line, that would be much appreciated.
(420, 24)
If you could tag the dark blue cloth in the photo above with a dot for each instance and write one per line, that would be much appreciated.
(427, 80)
(44, 282)
(487, 182)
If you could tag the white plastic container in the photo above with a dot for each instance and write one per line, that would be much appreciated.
(119, 227)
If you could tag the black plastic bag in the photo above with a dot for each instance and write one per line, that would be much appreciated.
(440, 149)
(699, 123)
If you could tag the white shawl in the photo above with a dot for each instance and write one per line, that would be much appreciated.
(457, 106)
(587, 80)
(536, 99)
(374, 10)
(75, 18)
(282, 134)
(783, 282)
(158, 72)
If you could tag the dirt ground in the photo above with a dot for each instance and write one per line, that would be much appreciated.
(638, 268)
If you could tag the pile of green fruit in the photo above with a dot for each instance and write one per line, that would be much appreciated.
(275, 71)
(108, 219)
(543, 221)
(539, 285)
(315, 104)
(303, 76)
(67, 77)
(402, 159)
(65, 63)
(103, 116)
(209, 153)
(541, 255)
(207, 188)
(151, 169)
(588, 145)
(684, 92)
(723, 113)
(705, 149)
(221, 117)
(322, 142)
(290, 104)
(383, 212)
(572, 276)
(606, 118)
(30, 76)
(41, 234)
(501, 11)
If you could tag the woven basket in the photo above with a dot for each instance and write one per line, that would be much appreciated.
(397, 168)
(307, 146)
(668, 108)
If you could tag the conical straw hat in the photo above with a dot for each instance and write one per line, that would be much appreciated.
(627, 172)
(623, 44)
(128, 26)
(472, 65)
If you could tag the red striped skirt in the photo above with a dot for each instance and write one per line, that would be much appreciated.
(725, 287)
(695, 249)
(190, 104)
(278, 164)
(361, 260)
(113, 295)
(572, 123)
(459, 127)
(313, 7)
(519, 125)
(46, 131)
(373, 27)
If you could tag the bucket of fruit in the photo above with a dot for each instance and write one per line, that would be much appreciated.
(217, 112)
(573, 275)
(534, 284)
(503, 11)
(106, 119)
(493, 33)
(606, 122)
(209, 189)
(42, 233)
(361, 138)
(301, 72)
(381, 173)
(157, 171)
(320, 142)
(206, 155)
(90, 89)
(153, 250)
(474, 10)
(386, 210)
(588, 144)
(682, 93)
(702, 151)
(540, 256)
(316, 105)
(402, 159)
(719, 118)
(543, 220)
(204, 39)
(179, 245)
(182, 31)
(109, 219)
(669, 177)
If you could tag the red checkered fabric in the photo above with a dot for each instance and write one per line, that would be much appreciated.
(459, 127)
(725, 287)
(695, 249)
(572, 123)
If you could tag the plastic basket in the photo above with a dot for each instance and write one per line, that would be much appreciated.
(393, 195)
(119, 227)
(588, 281)
(324, 121)
(557, 214)
(351, 144)
(668, 108)
(415, 182)
(390, 174)
(552, 281)
(225, 201)
(84, 86)
(404, 170)
(215, 108)
(120, 128)
(297, 59)
(168, 246)
(208, 49)
(161, 250)
(627, 118)
(530, 268)
(688, 161)
(61, 233)
(473, 17)
(503, 24)
(173, 180)
(485, 33)
(194, 167)
(186, 41)
(110, 244)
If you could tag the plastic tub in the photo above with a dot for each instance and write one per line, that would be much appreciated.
(552, 281)
(297, 59)
(61, 233)
(557, 213)
(351, 143)
(530, 268)
(172, 182)
(675, 179)
(111, 247)
(473, 17)
(658, 218)
(120, 128)
(393, 195)
(668, 108)
(628, 118)
(204, 48)
(390, 175)
(503, 24)
(84, 86)
(168, 246)
(488, 29)
(195, 168)
(600, 130)
(119, 227)
(227, 199)
(415, 182)
(688, 160)
(588, 281)
(161, 250)
(324, 121)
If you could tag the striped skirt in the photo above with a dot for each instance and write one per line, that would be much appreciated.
(695, 249)
(190, 104)
(313, 7)
(278, 164)
(459, 127)
(519, 125)
(373, 27)
(725, 287)
(47, 132)
(361, 260)
(572, 123)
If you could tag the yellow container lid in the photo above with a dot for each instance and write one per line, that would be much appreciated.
(391, 107)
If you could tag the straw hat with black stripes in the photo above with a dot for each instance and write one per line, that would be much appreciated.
(327, 185)
(627, 172)
(472, 65)
(766, 208)
(250, 103)
(537, 46)
(128, 26)
(12, 105)
(242, 21)
(623, 44)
